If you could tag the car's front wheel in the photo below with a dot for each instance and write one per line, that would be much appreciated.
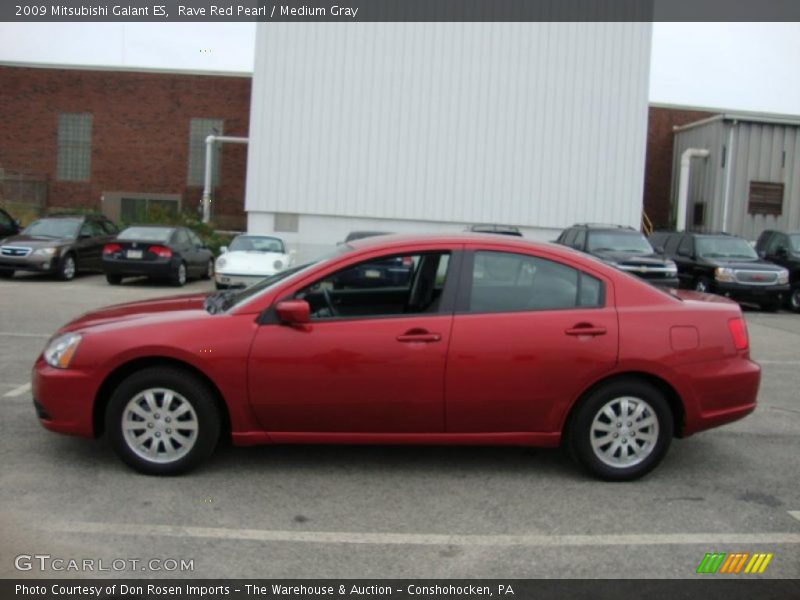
(793, 301)
(178, 278)
(68, 268)
(162, 421)
(703, 285)
(622, 430)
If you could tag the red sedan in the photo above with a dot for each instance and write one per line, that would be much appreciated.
(489, 340)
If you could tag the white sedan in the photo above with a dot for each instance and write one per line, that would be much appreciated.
(249, 259)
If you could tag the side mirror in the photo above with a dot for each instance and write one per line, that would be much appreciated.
(293, 312)
(223, 249)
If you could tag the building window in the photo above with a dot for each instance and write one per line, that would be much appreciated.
(199, 130)
(142, 209)
(699, 216)
(74, 146)
(766, 198)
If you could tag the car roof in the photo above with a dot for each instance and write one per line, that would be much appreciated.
(154, 226)
(401, 239)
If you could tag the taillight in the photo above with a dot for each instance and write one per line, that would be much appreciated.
(111, 248)
(738, 329)
(160, 251)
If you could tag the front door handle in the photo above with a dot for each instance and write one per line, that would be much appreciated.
(585, 329)
(419, 335)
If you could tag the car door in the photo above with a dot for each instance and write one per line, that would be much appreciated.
(89, 246)
(372, 359)
(777, 250)
(685, 261)
(201, 253)
(184, 246)
(530, 333)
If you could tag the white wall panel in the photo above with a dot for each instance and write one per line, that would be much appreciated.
(534, 124)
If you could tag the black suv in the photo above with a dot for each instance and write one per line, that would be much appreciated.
(783, 248)
(624, 248)
(724, 264)
(58, 244)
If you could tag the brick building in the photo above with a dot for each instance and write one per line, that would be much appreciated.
(121, 141)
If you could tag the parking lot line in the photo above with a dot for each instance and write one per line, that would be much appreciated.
(25, 335)
(18, 391)
(423, 539)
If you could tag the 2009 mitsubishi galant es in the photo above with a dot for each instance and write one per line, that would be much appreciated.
(490, 341)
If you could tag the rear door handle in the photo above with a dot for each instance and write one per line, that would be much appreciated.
(419, 335)
(585, 329)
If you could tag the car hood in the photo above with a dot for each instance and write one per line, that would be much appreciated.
(255, 263)
(138, 310)
(631, 258)
(747, 265)
(32, 241)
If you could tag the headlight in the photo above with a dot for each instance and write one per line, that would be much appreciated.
(221, 263)
(783, 277)
(48, 252)
(723, 274)
(278, 264)
(672, 268)
(60, 350)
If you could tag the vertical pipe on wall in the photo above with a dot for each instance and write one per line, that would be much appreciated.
(728, 171)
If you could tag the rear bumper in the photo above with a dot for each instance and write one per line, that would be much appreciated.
(134, 268)
(720, 392)
(63, 399)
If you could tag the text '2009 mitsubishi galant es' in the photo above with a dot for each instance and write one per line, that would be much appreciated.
(490, 340)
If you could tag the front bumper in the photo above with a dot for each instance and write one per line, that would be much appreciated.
(64, 399)
(36, 264)
(721, 391)
(234, 280)
(751, 293)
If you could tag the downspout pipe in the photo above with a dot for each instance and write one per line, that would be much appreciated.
(683, 183)
(210, 141)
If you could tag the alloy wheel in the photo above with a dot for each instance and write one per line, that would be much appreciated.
(624, 432)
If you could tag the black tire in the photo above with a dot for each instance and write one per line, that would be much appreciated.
(67, 268)
(584, 429)
(221, 286)
(6, 273)
(185, 387)
(793, 300)
(703, 284)
(180, 275)
(209, 273)
(113, 279)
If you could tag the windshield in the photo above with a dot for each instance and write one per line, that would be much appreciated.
(619, 241)
(227, 299)
(54, 228)
(794, 240)
(256, 243)
(151, 234)
(724, 247)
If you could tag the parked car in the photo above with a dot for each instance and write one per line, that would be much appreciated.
(8, 225)
(783, 248)
(249, 259)
(172, 254)
(724, 264)
(392, 271)
(63, 245)
(625, 248)
(498, 229)
(492, 341)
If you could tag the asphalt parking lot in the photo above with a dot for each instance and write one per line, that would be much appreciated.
(391, 511)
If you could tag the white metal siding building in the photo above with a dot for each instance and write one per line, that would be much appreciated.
(432, 126)
(751, 179)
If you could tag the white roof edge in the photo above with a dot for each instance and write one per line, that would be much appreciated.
(765, 118)
(126, 69)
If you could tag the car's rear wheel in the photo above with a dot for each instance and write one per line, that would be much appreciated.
(6, 273)
(622, 430)
(68, 268)
(113, 279)
(209, 269)
(178, 278)
(162, 421)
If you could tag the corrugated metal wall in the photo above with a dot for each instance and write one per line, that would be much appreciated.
(524, 123)
(756, 152)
